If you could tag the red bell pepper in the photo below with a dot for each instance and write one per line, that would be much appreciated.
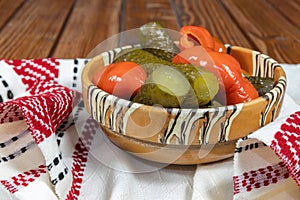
(238, 89)
(196, 35)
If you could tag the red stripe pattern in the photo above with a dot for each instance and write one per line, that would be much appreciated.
(23, 179)
(9, 113)
(255, 179)
(35, 69)
(48, 106)
(286, 145)
(80, 157)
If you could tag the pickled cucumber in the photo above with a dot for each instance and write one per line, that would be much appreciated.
(167, 87)
(145, 59)
(261, 84)
(156, 39)
(137, 55)
(204, 83)
(162, 54)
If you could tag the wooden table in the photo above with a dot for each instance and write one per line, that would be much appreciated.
(72, 28)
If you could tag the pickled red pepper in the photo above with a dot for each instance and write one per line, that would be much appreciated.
(238, 89)
(194, 35)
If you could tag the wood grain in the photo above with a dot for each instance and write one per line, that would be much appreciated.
(139, 12)
(33, 30)
(90, 22)
(8, 8)
(213, 16)
(270, 32)
(288, 9)
(73, 28)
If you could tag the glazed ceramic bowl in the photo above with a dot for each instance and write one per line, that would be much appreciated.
(183, 136)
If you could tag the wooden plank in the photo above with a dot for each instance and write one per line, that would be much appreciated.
(257, 19)
(214, 17)
(33, 30)
(91, 22)
(139, 12)
(289, 9)
(8, 8)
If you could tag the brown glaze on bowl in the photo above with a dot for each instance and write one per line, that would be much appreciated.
(183, 136)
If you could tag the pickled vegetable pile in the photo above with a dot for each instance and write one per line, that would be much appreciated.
(194, 73)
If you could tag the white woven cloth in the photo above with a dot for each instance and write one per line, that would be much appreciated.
(73, 159)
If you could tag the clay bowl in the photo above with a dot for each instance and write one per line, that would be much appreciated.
(183, 136)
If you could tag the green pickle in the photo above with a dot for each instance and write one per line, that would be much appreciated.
(162, 54)
(156, 39)
(261, 84)
(168, 87)
(204, 83)
(141, 57)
